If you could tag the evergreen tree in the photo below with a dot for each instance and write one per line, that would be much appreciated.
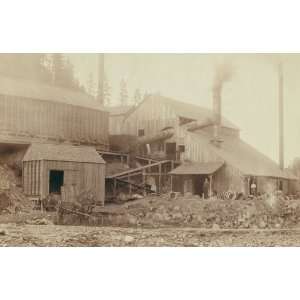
(58, 69)
(137, 97)
(123, 93)
(106, 91)
(91, 85)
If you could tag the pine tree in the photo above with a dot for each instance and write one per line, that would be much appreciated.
(123, 93)
(106, 91)
(58, 69)
(137, 97)
(91, 85)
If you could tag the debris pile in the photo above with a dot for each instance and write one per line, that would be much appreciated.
(12, 198)
(256, 213)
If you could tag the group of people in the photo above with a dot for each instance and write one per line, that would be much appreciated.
(206, 188)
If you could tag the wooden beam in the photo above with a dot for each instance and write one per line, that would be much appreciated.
(138, 169)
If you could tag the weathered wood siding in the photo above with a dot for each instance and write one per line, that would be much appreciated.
(229, 178)
(51, 120)
(86, 177)
(196, 149)
(270, 185)
(152, 116)
(31, 175)
(116, 124)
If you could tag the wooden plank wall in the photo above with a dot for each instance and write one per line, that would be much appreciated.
(86, 176)
(152, 116)
(32, 178)
(229, 178)
(46, 119)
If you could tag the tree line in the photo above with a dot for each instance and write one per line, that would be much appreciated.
(53, 68)
(56, 69)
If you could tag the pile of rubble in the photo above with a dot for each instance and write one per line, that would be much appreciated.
(12, 198)
(257, 213)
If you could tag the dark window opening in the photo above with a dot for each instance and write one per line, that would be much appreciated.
(171, 151)
(280, 186)
(141, 132)
(56, 181)
(181, 148)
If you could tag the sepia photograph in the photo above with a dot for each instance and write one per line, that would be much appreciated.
(149, 149)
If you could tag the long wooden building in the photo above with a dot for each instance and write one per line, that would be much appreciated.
(37, 112)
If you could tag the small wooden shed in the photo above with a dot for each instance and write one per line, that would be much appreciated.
(48, 167)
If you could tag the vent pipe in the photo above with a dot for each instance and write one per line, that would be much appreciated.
(217, 111)
(281, 117)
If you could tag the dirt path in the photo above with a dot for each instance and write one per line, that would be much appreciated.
(51, 235)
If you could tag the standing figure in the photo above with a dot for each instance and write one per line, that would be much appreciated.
(205, 188)
(253, 188)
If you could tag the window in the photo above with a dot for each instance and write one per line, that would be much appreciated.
(141, 132)
(181, 148)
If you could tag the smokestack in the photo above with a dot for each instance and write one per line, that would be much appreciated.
(100, 93)
(223, 74)
(217, 110)
(281, 118)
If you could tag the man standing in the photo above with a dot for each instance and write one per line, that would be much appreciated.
(205, 188)
(253, 188)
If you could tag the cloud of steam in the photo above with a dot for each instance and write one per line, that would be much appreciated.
(223, 73)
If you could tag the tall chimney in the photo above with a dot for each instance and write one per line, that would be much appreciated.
(100, 93)
(281, 118)
(217, 111)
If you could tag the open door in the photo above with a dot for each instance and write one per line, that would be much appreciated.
(56, 181)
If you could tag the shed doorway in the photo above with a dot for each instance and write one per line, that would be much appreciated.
(56, 181)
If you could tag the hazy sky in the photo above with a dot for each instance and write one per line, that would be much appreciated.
(250, 99)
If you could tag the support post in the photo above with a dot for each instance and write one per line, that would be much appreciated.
(144, 182)
(210, 185)
(171, 183)
(115, 187)
(159, 178)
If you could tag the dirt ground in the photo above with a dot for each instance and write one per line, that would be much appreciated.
(82, 236)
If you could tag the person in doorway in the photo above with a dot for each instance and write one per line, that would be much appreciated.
(253, 188)
(205, 188)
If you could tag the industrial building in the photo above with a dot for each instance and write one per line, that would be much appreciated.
(205, 144)
(59, 130)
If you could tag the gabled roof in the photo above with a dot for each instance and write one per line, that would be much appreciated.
(242, 156)
(40, 91)
(186, 110)
(60, 152)
(192, 111)
(194, 168)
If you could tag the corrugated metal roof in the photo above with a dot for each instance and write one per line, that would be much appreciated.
(242, 156)
(61, 152)
(41, 91)
(194, 168)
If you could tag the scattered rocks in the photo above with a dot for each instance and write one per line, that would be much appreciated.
(128, 239)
